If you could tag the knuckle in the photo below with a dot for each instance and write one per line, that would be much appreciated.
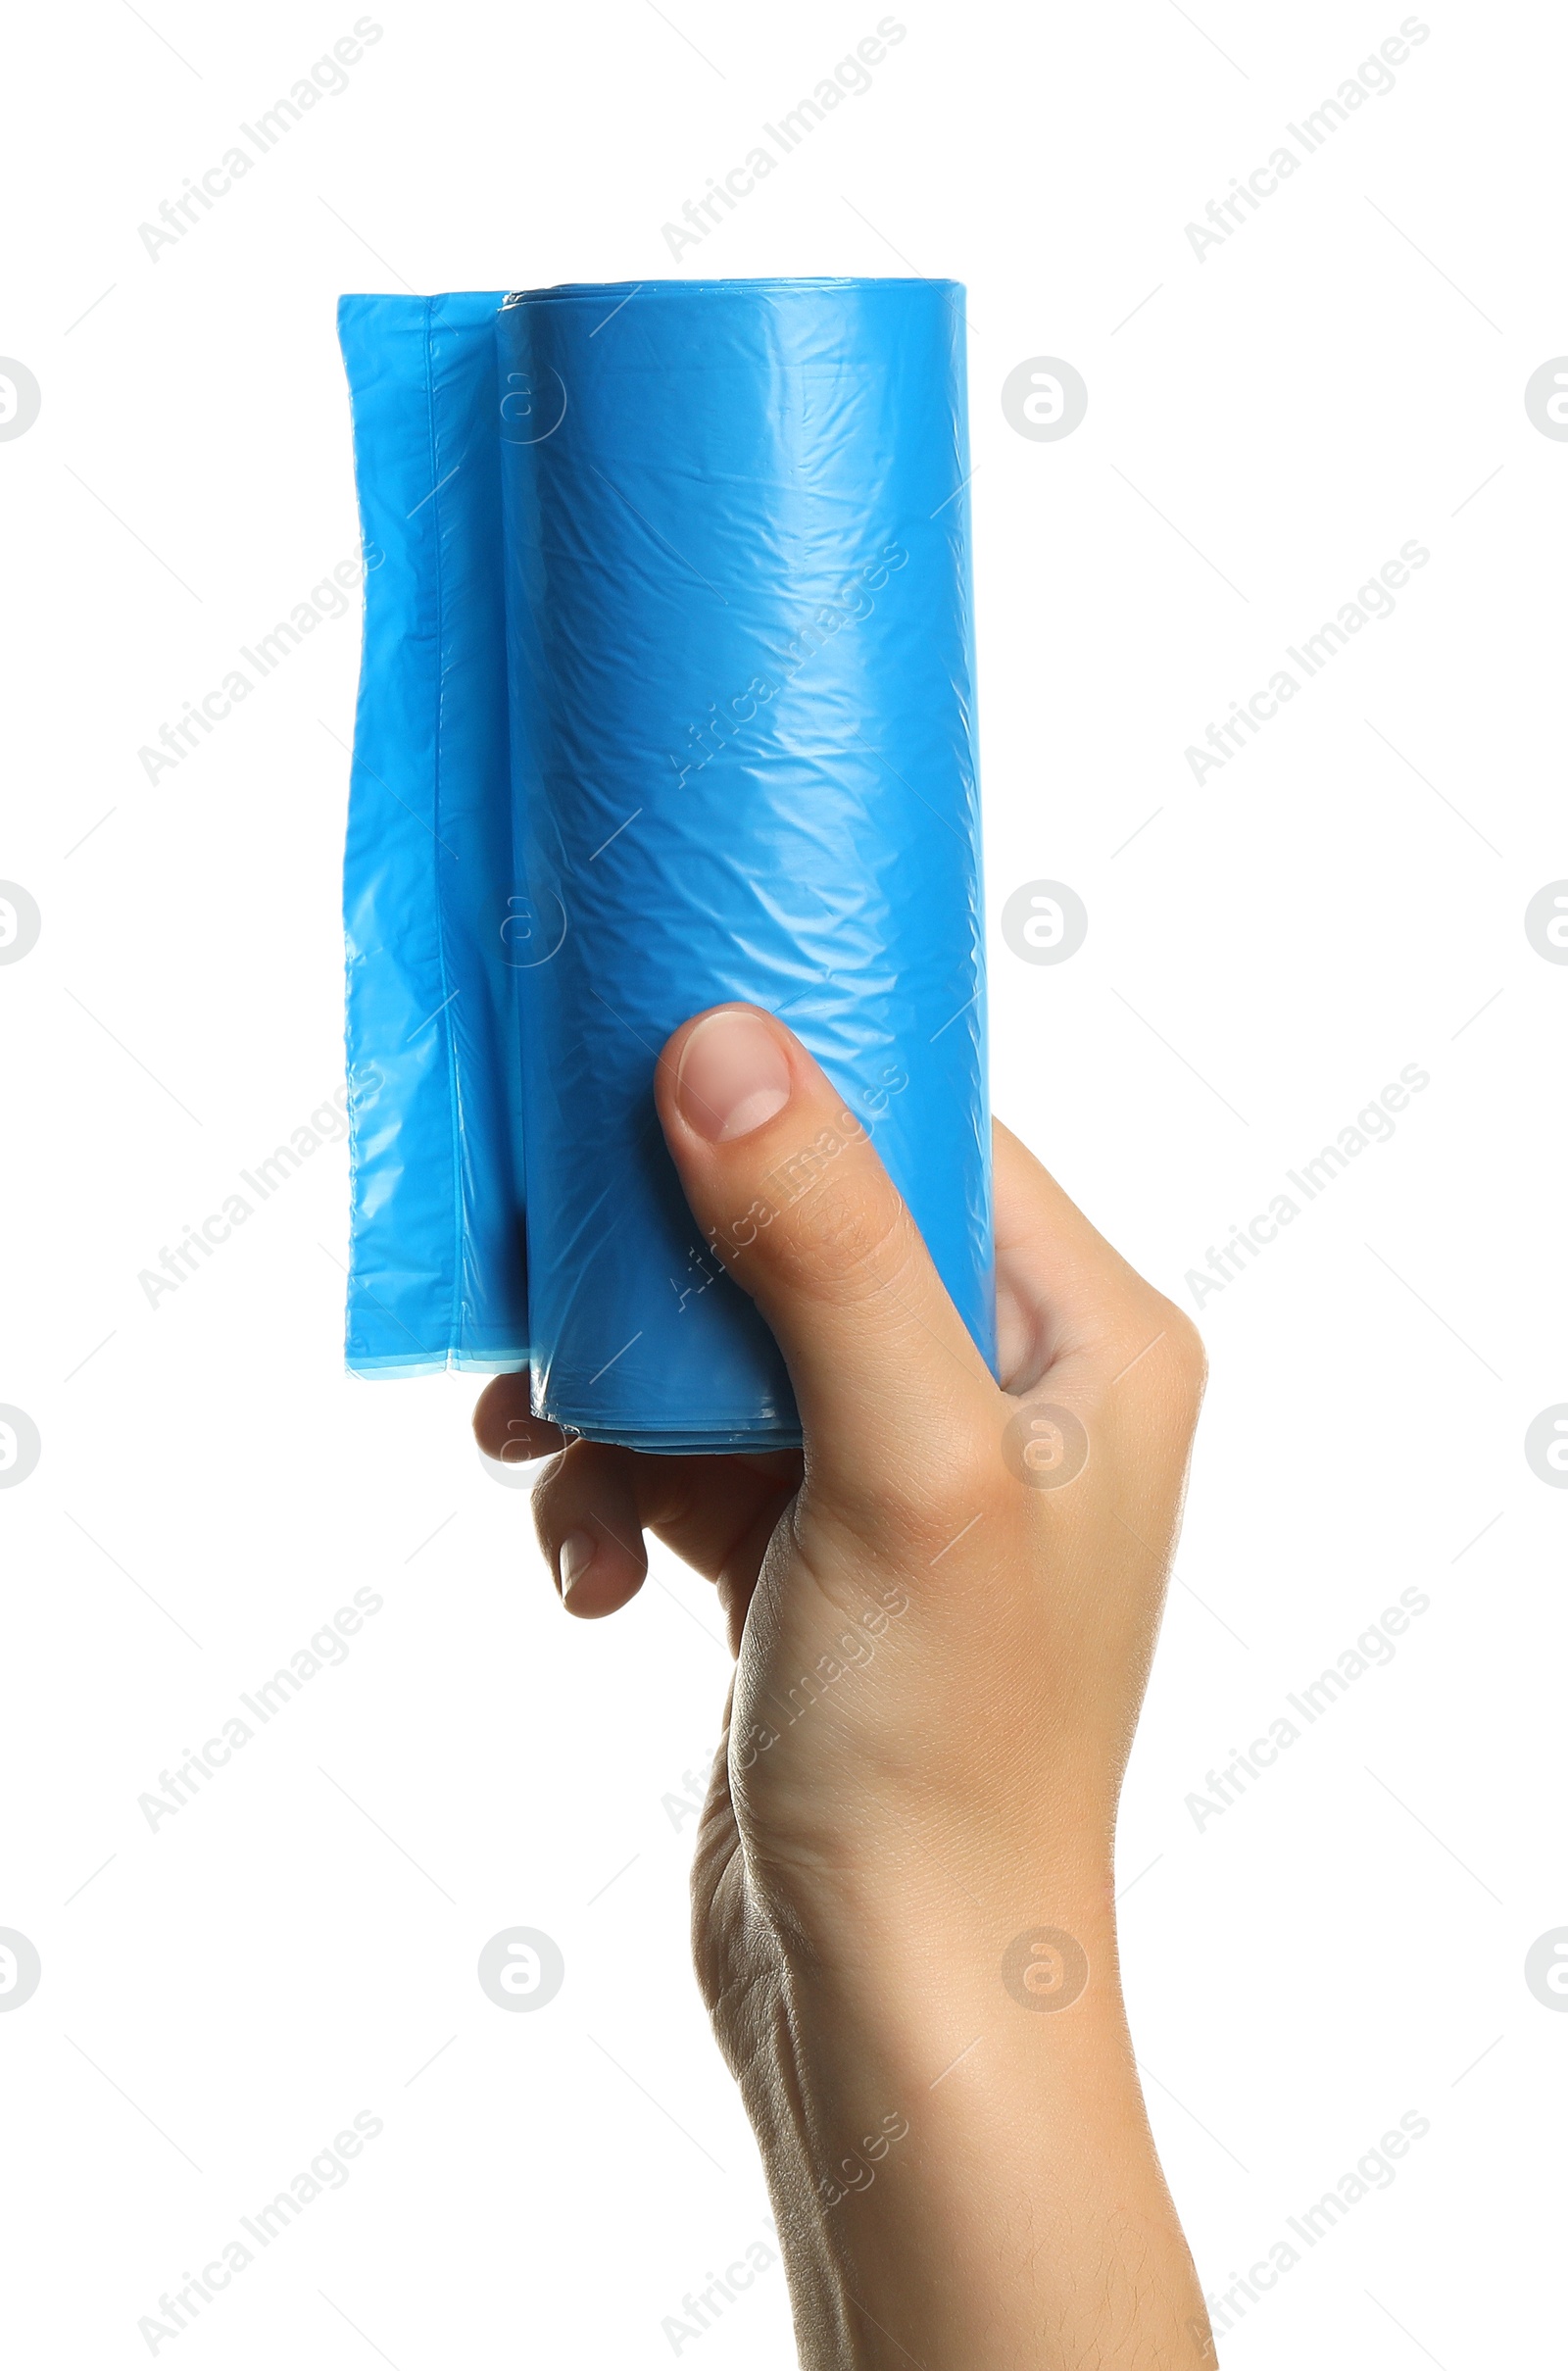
(915, 1497)
(1189, 1354)
(1165, 1361)
(948, 1496)
(813, 1210)
(844, 1232)
(851, 1236)
(548, 1511)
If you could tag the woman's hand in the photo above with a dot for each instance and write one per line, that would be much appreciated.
(942, 1617)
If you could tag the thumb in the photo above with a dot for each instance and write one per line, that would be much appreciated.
(789, 1191)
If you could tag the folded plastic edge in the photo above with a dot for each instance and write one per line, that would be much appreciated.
(408, 1220)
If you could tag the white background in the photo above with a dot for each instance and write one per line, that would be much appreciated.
(1345, 898)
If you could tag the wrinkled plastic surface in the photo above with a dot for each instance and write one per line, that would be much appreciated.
(741, 703)
(435, 1273)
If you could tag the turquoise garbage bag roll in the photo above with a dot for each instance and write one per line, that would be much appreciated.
(666, 699)
(743, 740)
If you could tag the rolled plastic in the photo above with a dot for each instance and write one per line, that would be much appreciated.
(739, 692)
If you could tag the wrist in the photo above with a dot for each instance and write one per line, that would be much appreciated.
(949, 2119)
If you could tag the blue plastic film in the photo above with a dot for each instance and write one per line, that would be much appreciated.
(435, 1272)
(740, 687)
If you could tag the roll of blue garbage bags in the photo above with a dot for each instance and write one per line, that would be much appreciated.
(668, 700)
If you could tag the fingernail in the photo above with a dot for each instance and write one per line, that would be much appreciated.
(733, 1076)
(578, 1551)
